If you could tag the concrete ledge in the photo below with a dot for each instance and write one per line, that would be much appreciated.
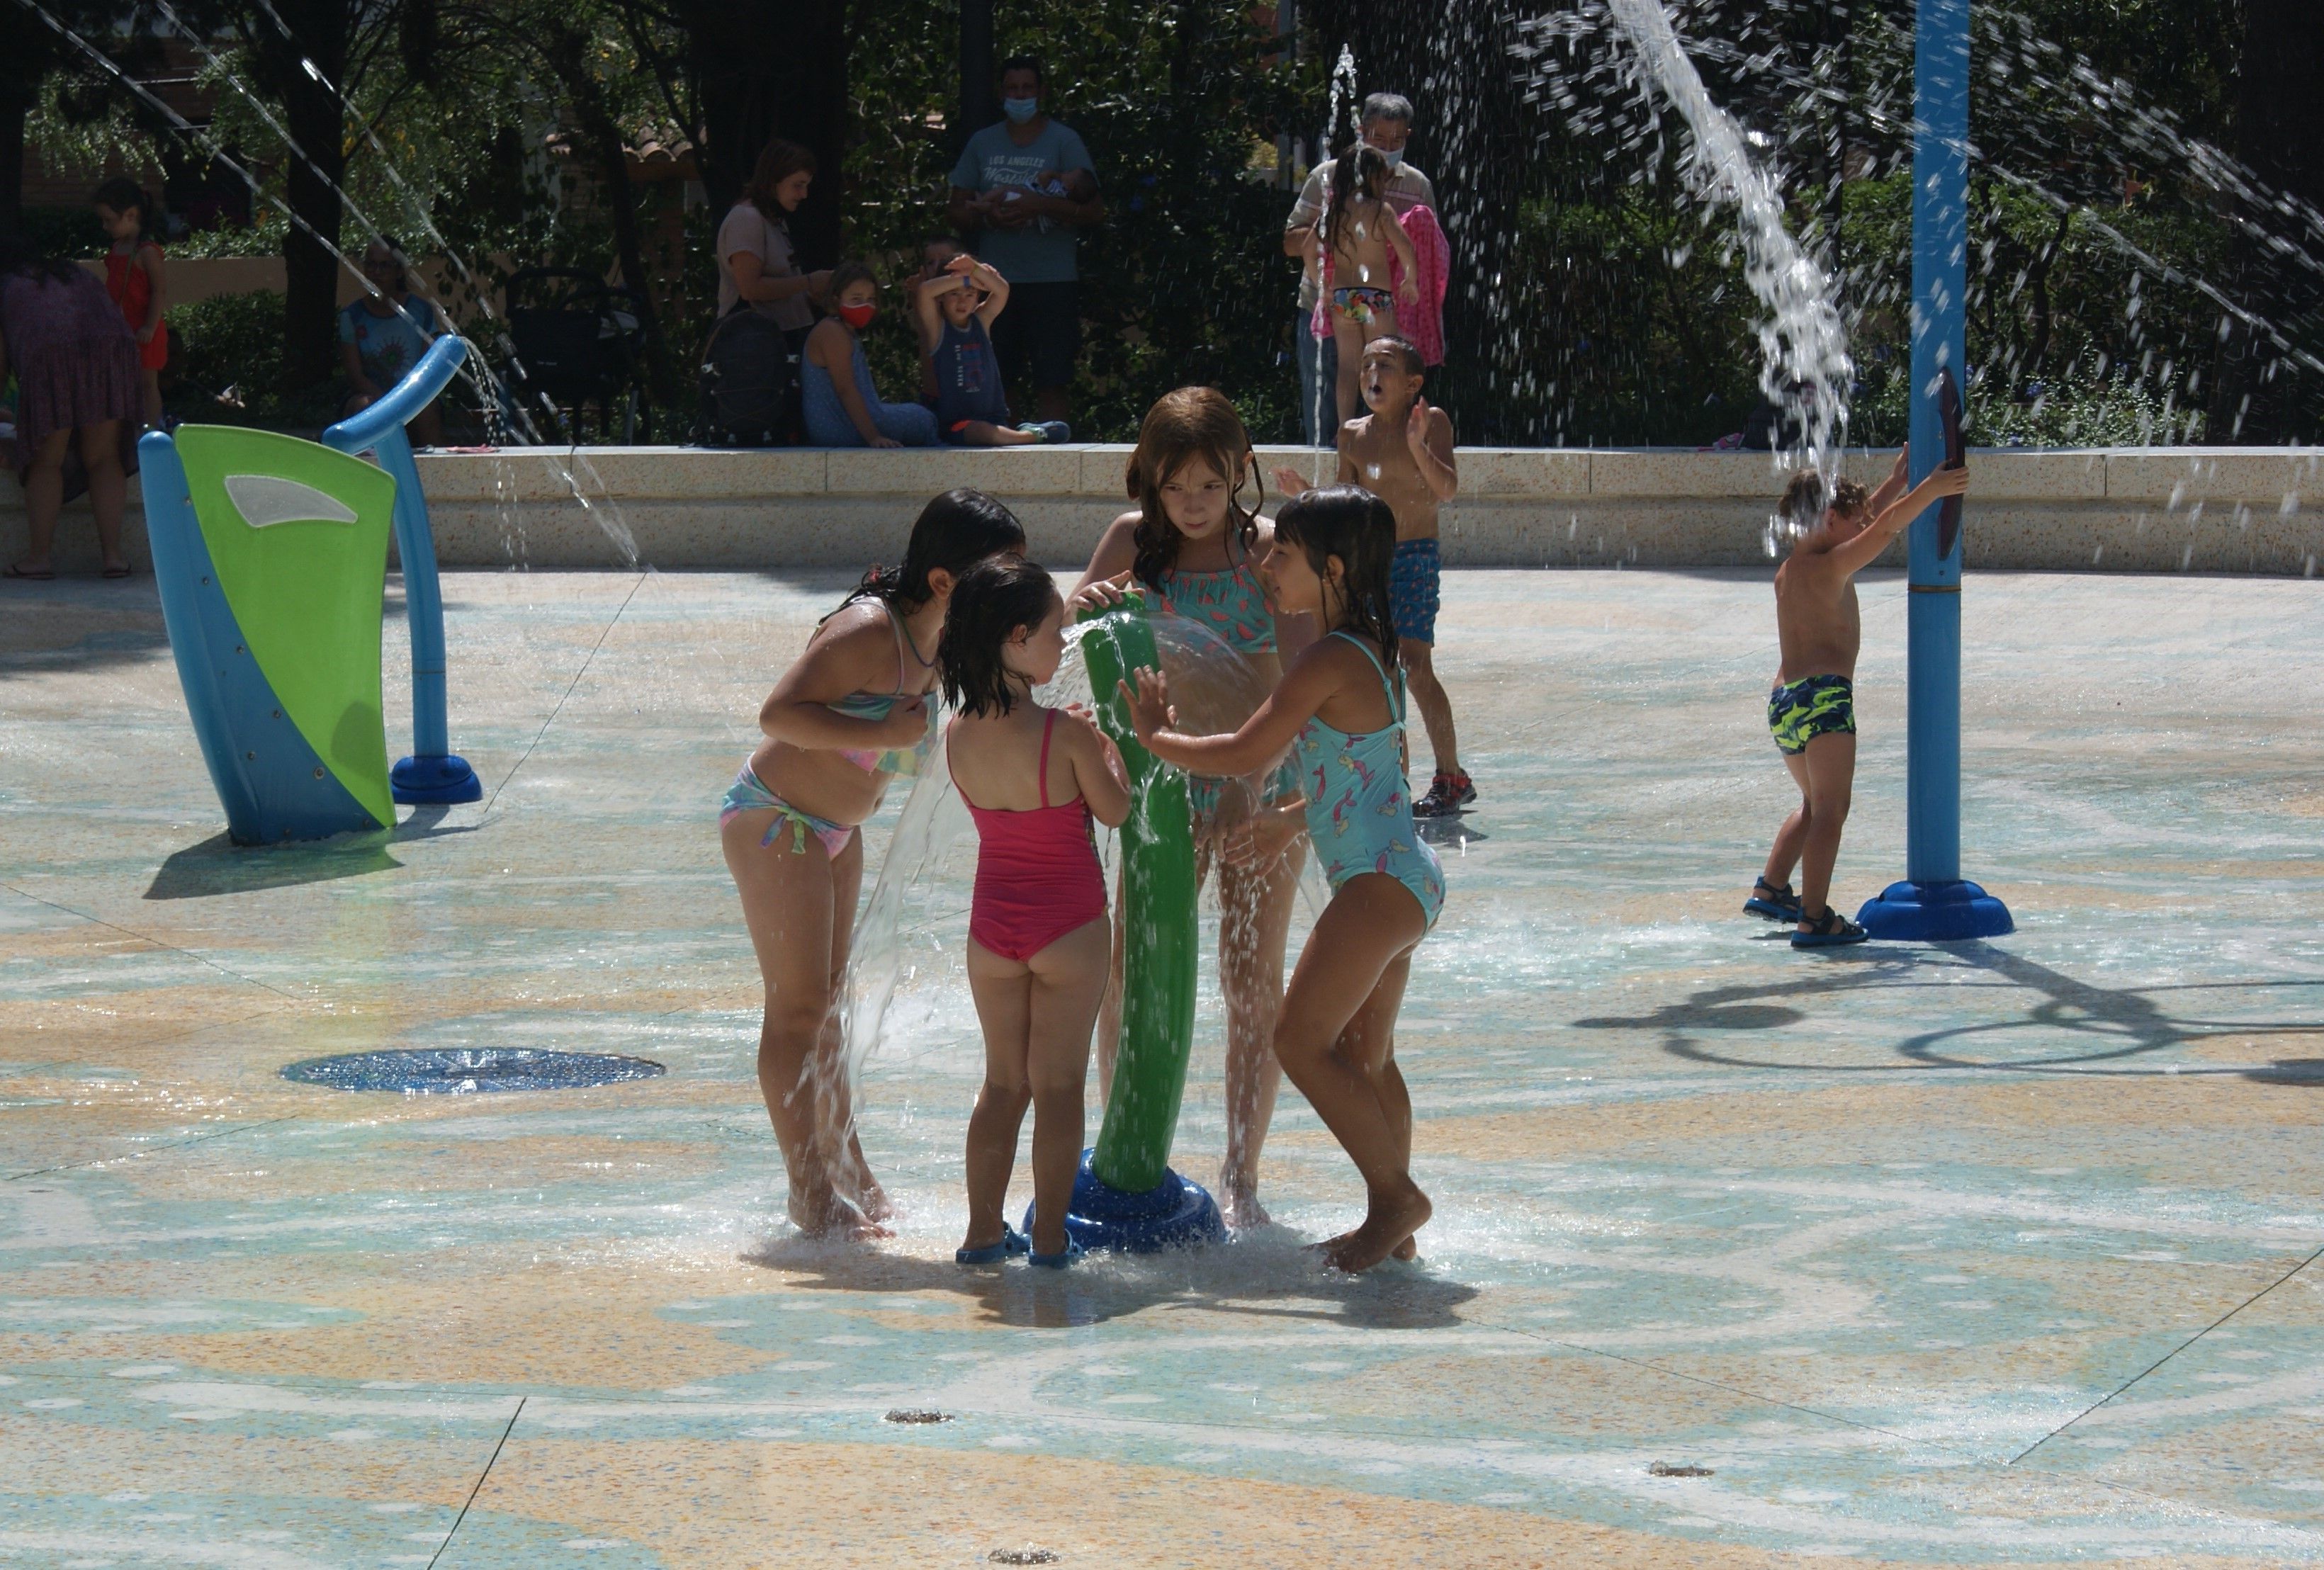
(2134, 510)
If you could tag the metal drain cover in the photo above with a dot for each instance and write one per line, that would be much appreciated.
(470, 1070)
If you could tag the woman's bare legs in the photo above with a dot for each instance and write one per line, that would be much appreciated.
(800, 906)
(109, 487)
(1036, 1015)
(1254, 923)
(45, 498)
(1336, 1039)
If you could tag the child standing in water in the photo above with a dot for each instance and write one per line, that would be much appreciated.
(1402, 452)
(1342, 711)
(1358, 233)
(849, 715)
(1813, 709)
(1193, 543)
(138, 281)
(1036, 926)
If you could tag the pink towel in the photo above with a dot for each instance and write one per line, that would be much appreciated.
(1424, 324)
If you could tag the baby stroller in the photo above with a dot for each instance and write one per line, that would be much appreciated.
(579, 340)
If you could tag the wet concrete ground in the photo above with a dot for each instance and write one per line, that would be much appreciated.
(2001, 1253)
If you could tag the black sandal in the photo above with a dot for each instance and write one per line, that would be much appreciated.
(1830, 930)
(1776, 904)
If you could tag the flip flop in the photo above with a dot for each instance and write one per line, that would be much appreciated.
(13, 570)
(1072, 1252)
(123, 571)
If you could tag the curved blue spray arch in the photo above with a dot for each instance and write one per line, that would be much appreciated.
(1934, 904)
(433, 774)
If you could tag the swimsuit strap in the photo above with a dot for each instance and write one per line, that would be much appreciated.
(896, 624)
(1394, 696)
(1047, 725)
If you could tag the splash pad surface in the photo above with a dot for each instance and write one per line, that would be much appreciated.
(1989, 1255)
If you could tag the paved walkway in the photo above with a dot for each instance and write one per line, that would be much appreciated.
(1999, 1253)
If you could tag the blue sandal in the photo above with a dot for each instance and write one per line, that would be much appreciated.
(1830, 930)
(1776, 904)
(1073, 1250)
(1012, 1242)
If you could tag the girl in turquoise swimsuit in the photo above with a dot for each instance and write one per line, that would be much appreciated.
(1343, 713)
(1193, 543)
(852, 713)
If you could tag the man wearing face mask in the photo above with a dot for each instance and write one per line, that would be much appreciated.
(1386, 125)
(1020, 190)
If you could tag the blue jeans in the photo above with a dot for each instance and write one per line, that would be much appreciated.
(1319, 371)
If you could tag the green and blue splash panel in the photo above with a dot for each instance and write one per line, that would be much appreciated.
(271, 556)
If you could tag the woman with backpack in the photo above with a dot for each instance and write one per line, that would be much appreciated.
(757, 266)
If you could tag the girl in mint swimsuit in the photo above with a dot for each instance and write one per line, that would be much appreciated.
(854, 711)
(1341, 710)
(1194, 547)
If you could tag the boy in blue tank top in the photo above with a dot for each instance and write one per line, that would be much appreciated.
(956, 310)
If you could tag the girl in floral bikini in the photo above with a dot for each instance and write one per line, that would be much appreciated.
(1193, 543)
(849, 715)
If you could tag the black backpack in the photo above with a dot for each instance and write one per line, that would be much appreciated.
(750, 383)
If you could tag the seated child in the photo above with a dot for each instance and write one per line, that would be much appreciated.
(955, 310)
(1038, 939)
(1813, 709)
(937, 253)
(840, 405)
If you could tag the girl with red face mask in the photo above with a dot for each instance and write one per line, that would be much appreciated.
(841, 406)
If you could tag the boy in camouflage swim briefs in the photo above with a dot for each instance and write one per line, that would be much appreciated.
(1813, 709)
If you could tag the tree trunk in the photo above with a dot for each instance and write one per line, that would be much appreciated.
(25, 59)
(313, 115)
(772, 67)
(2280, 133)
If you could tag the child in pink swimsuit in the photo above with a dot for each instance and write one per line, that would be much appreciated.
(1038, 940)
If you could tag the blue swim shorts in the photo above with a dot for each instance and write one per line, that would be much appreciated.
(1414, 591)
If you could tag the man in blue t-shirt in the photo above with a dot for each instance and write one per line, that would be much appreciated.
(1020, 190)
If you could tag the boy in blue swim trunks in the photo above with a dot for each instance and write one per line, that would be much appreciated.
(1811, 711)
(1401, 451)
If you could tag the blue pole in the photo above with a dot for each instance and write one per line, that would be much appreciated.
(1934, 904)
(434, 773)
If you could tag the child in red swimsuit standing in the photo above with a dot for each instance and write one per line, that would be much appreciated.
(1039, 941)
(135, 277)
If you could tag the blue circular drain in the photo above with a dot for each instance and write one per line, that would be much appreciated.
(470, 1070)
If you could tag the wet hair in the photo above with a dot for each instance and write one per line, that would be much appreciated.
(1806, 498)
(1192, 422)
(121, 194)
(993, 599)
(1358, 528)
(1023, 62)
(1356, 174)
(854, 269)
(954, 533)
(1406, 353)
(20, 257)
(778, 161)
(1393, 107)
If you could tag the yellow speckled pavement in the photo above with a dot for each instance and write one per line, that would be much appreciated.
(2000, 1253)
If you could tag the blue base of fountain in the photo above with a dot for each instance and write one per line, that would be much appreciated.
(443, 781)
(1176, 1213)
(1947, 912)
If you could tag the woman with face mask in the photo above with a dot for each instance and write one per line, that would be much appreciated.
(841, 406)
